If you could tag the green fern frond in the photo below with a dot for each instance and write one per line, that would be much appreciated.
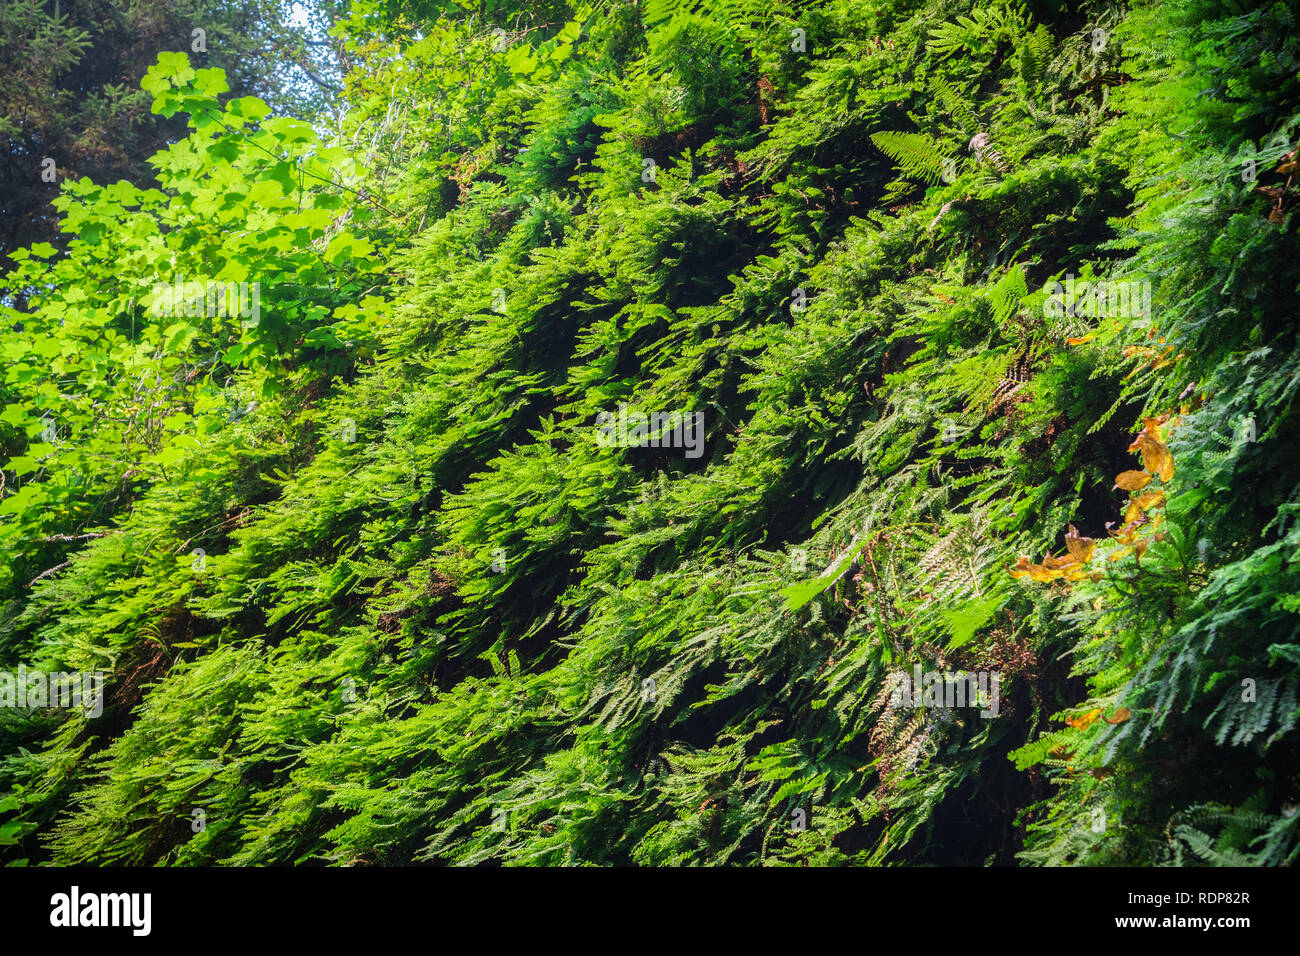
(916, 154)
(955, 104)
(1035, 54)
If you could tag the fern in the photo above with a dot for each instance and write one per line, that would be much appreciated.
(1035, 55)
(916, 154)
(956, 105)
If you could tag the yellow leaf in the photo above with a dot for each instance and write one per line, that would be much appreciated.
(1132, 480)
(1155, 453)
(1049, 570)
(1080, 723)
(1080, 548)
(1152, 499)
(1156, 459)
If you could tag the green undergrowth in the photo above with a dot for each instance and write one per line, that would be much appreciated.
(431, 618)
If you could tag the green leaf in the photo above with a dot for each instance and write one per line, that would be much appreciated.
(798, 595)
(248, 108)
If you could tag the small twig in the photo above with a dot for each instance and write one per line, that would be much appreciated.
(72, 537)
(46, 574)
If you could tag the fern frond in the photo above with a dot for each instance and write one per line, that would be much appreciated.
(916, 154)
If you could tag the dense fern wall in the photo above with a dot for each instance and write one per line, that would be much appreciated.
(436, 620)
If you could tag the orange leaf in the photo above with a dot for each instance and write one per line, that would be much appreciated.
(1155, 456)
(1128, 533)
(1080, 548)
(1152, 499)
(1079, 723)
(1132, 480)
(1121, 715)
(1150, 430)
(1052, 569)
(1035, 572)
